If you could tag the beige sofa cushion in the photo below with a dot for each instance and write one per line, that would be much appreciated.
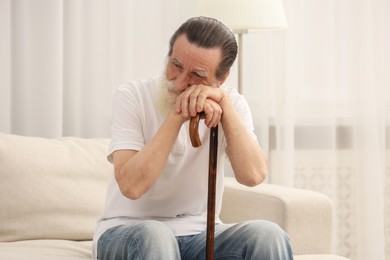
(46, 250)
(319, 257)
(71, 250)
(51, 188)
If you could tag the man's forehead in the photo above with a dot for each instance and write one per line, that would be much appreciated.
(199, 58)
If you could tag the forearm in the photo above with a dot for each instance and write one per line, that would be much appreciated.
(140, 172)
(248, 161)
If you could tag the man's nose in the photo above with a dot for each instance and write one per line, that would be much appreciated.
(182, 82)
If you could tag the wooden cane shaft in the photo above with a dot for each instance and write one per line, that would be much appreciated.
(213, 153)
(211, 193)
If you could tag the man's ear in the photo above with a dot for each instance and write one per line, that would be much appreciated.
(223, 78)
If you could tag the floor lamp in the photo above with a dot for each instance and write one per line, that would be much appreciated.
(244, 16)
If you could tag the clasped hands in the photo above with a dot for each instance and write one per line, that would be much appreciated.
(201, 98)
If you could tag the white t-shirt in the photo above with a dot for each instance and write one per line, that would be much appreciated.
(179, 196)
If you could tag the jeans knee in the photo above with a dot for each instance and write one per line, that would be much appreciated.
(154, 234)
(145, 240)
(154, 228)
(270, 231)
(271, 238)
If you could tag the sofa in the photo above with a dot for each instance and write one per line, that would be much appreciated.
(52, 191)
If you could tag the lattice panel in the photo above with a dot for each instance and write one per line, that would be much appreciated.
(334, 175)
(337, 184)
(387, 211)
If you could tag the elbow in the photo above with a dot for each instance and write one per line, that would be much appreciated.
(261, 177)
(131, 194)
(254, 178)
(127, 188)
(129, 191)
(259, 173)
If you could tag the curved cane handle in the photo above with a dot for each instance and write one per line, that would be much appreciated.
(194, 133)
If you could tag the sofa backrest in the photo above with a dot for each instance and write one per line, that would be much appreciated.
(51, 188)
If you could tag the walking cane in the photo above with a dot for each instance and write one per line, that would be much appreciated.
(195, 140)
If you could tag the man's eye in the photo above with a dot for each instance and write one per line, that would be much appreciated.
(176, 64)
(199, 75)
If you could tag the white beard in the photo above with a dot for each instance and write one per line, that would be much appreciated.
(165, 96)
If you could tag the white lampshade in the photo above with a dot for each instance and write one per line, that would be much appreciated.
(244, 15)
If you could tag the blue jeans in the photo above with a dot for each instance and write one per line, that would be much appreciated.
(153, 240)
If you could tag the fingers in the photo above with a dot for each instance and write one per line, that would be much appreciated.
(190, 101)
(198, 98)
(193, 99)
(197, 101)
(213, 113)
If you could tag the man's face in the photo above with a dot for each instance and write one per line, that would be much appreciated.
(192, 65)
(188, 65)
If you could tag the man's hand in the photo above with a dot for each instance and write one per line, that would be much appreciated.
(198, 98)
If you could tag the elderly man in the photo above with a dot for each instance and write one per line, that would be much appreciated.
(156, 205)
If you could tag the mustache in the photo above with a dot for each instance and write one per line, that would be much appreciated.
(170, 87)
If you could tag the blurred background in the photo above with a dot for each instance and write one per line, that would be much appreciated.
(319, 91)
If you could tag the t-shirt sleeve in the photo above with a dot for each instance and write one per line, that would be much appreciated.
(243, 110)
(126, 128)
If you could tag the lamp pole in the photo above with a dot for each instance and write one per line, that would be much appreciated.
(240, 59)
(239, 62)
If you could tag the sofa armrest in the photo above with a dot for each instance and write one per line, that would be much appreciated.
(305, 215)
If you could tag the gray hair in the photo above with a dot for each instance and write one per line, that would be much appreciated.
(208, 32)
